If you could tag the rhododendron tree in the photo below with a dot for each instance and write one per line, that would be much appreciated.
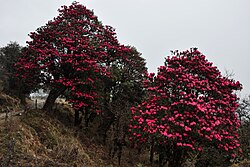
(190, 105)
(71, 52)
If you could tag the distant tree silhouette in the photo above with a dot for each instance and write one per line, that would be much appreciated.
(9, 56)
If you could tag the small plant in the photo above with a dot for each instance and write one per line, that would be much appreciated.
(110, 166)
(139, 165)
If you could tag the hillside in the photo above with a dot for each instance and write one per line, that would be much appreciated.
(35, 138)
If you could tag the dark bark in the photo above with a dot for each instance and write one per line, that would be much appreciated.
(108, 120)
(151, 158)
(103, 128)
(161, 159)
(78, 118)
(108, 117)
(86, 117)
(53, 95)
(118, 145)
(22, 98)
(175, 156)
(176, 160)
(89, 116)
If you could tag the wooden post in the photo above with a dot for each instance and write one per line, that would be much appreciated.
(36, 104)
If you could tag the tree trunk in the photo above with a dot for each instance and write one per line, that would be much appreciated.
(78, 118)
(20, 92)
(108, 119)
(53, 95)
(151, 158)
(22, 98)
(87, 116)
(177, 157)
(161, 159)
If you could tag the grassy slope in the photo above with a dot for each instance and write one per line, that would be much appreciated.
(43, 139)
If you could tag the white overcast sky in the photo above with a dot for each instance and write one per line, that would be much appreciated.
(219, 28)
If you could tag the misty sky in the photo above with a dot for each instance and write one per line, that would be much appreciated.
(219, 28)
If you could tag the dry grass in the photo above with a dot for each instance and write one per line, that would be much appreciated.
(36, 139)
(244, 163)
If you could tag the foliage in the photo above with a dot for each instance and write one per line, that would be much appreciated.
(123, 90)
(9, 55)
(243, 112)
(213, 157)
(190, 106)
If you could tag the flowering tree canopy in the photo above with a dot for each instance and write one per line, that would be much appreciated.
(190, 104)
(71, 52)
